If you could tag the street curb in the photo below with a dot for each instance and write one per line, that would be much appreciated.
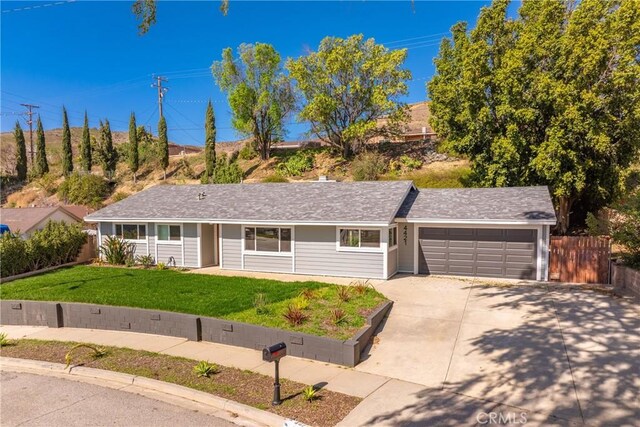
(235, 411)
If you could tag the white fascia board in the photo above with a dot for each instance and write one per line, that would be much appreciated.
(241, 222)
(476, 222)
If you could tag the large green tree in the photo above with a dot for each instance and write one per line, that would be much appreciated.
(549, 97)
(209, 143)
(67, 153)
(21, 153)
(108, 154)
(349, 84)
(85, 145)
(41, 166)
(163, 146)
(133, 146)
(259, 93)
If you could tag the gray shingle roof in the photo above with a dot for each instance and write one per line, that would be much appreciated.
(339, 202)
(530, 204)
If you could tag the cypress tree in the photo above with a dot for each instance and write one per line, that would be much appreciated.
(209, 144)
(42, 166)
(85, 145)
(108, 155)
(67, 154)
(133, 143)
(21, 153)
(163, 145)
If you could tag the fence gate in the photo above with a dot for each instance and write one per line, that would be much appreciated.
(579, 259)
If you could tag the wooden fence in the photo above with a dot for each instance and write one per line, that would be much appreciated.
(580, 259)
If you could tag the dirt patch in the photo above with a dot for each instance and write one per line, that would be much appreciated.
(238, 385)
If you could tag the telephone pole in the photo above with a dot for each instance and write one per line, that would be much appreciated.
(161, 91)
(29, 114)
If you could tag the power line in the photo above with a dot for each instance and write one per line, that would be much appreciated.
(37, 6)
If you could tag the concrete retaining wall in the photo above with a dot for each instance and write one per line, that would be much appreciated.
(195, 328)
(625, 278)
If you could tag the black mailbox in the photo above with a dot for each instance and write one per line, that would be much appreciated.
(275, 352)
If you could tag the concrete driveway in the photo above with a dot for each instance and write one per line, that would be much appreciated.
(568, 355)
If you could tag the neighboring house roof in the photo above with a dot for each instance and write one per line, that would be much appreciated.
(78, 211)
(24, 219)
(303, 202)
(506, 205)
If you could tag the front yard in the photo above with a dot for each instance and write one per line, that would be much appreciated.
(329, 311)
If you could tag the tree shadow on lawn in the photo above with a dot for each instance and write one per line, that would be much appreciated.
(573, 357)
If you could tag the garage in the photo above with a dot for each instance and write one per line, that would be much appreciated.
(485, 252)
(486, 232)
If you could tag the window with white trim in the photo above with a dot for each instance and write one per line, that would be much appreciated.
(169, 232)
(131, 231)
(393, 237)
(359, 238)
(267, 239)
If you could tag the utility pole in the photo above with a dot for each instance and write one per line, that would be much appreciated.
(29, 114)
(161, 91)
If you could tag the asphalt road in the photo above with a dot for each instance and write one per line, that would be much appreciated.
(33, 400)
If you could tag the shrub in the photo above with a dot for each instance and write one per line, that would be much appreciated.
(145, 260)
(4, 341)
(57, 243)
(227, 171)
(97, 352)
(205, 369)
(260, 303)
(276, 177)
(338, 316)
(410, 163)
(310, 393)
(344, 293)
(161, 266)
(368, 166)
(120, 195)
(300, 302)
(295, 316)
(309, 294)
(247, 152)
(360, 286)
(117, 251)
(48, 183)
(89, 190)
(297, 164)
(12, 255)
(186, 171)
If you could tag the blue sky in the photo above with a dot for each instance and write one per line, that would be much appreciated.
(88, 55)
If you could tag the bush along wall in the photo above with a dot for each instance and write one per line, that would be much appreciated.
(58, 243)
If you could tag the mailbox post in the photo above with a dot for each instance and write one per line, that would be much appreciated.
(274, 354)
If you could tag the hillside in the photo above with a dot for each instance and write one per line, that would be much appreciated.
(417, 161)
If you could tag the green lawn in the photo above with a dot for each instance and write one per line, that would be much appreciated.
(215, 296)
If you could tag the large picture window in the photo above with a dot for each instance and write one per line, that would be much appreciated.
(267, 239)
(359, 238)
(131, 231)
(167, 232)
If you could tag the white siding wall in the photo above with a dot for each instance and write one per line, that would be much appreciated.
(405, 254)
(315, 253)
(231, 251)
(392, 263)
(190, 241)
(280, 264)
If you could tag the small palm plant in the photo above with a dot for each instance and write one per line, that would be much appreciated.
(344, 293)
(205, 369)
(97, 352)
(310, 393)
